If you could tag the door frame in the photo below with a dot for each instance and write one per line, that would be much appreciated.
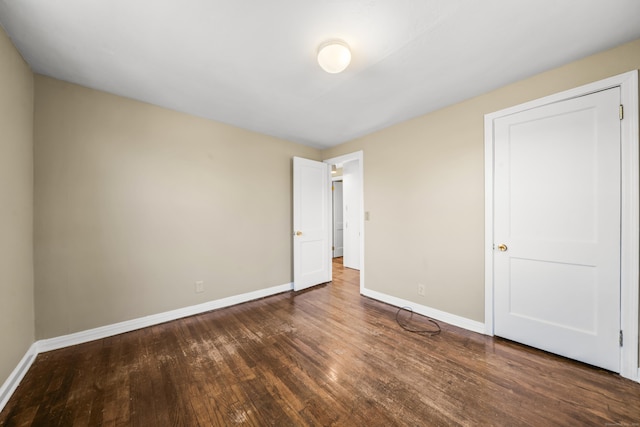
(358, 155)
(630, 201)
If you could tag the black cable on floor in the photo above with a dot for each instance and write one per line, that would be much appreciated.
(404, 325)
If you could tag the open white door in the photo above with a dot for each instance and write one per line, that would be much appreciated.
(311, 223)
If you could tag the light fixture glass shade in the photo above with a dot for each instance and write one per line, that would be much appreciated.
(334, 56)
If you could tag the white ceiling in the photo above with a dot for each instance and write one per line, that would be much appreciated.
(251, 63)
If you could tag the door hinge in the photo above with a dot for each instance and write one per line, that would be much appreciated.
(621, 110)
(621, 340)
(333, 248)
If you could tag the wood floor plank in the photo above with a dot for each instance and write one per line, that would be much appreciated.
(323, 356)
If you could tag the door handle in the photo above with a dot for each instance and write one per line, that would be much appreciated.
(298, 233)
(502, 247)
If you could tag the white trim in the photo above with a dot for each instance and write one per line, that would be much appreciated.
(9, 386)
(11, 383)
(154, 319)
(443, 316)
(488, 225)
(358, 155)
(630, 220)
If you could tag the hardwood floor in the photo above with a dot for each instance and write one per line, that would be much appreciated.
(325, 356)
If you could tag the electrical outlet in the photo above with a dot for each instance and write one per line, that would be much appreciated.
(420, 289)
(199, 286)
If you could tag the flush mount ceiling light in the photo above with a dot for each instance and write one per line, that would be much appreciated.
(334, 56)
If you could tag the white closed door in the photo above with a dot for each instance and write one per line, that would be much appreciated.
(557, 228)
(311, 223)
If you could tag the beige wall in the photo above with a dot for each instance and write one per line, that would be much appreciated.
(134, 203)
(424, 188)
(16, 207)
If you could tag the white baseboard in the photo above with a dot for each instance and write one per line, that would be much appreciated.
(42, 346)
(443, 316)
(154, 319)
(10, 385)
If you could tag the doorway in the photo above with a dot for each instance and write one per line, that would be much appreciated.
(349, 171)
(338, 213)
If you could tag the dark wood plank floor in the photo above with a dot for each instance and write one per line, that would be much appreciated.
(322, 357)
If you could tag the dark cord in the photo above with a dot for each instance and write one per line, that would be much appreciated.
(404, 324)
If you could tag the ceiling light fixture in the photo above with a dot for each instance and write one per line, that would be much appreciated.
(334, 56)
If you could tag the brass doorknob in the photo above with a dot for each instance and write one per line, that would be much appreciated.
(502, 247)
(298, 233)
